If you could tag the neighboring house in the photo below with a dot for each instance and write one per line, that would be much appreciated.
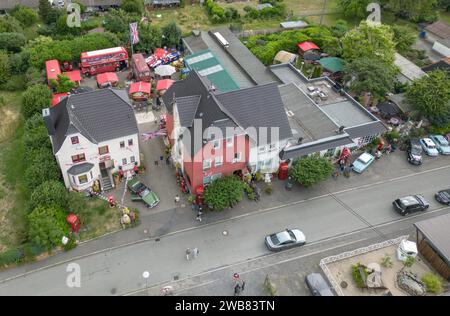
(408, 70)
(320, 102)
(9, 4)
(293, 25)
(92, 135)
(162, 3)
(94, 5)
(212, 131)
(284, 57)
(304, 47)
(443, 64)
(438, 34)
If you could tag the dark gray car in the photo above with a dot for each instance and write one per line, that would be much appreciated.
(317, 285)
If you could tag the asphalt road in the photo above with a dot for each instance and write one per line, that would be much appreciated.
(119, 271)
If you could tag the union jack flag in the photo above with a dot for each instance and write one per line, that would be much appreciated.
(134, 33)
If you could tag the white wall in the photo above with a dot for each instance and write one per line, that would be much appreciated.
(441, 49)
(90, 150)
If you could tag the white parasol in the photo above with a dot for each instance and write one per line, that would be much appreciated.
(165, 70)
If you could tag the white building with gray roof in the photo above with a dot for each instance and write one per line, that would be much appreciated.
(93, 134)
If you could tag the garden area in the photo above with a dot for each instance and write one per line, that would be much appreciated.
(376, 271)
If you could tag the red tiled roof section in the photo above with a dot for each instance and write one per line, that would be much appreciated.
(306, 46)
(140, 86)
(74, 75)
(107, 77)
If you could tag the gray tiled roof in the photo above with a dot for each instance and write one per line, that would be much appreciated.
(259, 106)
(368, 129)
(99, 116)
(310, 148)
(187, 107)
(80, 168)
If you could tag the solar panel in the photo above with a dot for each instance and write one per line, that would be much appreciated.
(210, 70)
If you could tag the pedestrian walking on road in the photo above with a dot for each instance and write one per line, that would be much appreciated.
(161, 158)
(237, 290)
(195, 252)
(243, 286)
(156, 162)
(188, 254)
(177, 198)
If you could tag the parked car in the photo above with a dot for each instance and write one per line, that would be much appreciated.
(171, 58)
(441, 143)
(317, 285)
(140, 192)
(363, 162)
(429, 147)
(443, 197)
(285, 239)
(415, 152)
(411, 203)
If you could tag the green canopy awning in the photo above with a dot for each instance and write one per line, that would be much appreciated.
(333, 64)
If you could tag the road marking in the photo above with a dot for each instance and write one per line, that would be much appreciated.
(268, 210)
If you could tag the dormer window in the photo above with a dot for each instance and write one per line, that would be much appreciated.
(74, 140)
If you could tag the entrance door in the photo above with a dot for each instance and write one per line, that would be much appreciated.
(103, 170)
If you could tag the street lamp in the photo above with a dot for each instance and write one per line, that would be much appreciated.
(146, 275)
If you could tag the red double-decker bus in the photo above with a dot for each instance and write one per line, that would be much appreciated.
(104, 60)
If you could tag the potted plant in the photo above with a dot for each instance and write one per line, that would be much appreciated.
(116, 178)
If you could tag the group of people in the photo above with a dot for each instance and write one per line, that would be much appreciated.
(345, 170)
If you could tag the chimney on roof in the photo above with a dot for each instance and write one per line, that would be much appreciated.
(300, 140)
(212, 88)
(48, 121)
(340, 130)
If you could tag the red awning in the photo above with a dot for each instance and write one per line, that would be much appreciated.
(57, 97)
(164, 84)
(74, 75)
(306, 46)
(141, 86)
(106, 77)
(160, 53)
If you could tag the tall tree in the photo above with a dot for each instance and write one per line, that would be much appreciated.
(36, 98)
(369, 75)
(403, 38)
(24, 15)
(63, 84)
(44, 9)
(415, 10)
(172, 35)
(354, 8)
(311, 170)
(430, 95)
(12, 42)
(369, 41)
(150, 37)
(133, 6)
(5, 69)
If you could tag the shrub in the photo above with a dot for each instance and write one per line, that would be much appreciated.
(224, 192)
(311, 170)
(39, 171)
(19, 62)
(357, 274)
(433, 283)
(386, 261)
(35, 99)
(391, 136)
(71, 244)
(15, 83)
(12, 42)
(49, 193)
(24, 15)
(12, 256)
(5, 67)
(268, 189)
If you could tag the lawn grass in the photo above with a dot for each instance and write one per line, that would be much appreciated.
(444, 16)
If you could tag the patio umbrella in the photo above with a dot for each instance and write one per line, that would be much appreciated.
(165, 70)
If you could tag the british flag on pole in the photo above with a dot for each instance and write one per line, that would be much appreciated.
(134, 33)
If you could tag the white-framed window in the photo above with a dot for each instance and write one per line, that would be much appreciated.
(216, 144)
(132, 159)
(273, 147)
(206, 164)
(218, 161)
(237, 157)
(83, 179)
(122, 144)
(262, 149)
(230, 141)
(124, 161)
(130, 142)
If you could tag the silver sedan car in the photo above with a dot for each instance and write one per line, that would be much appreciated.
(285, 239)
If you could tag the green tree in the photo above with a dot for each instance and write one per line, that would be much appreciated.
(415, 10)
(47, 226)
(354, 8)
(44, 9)
(430, 95)
(224, 192)
(311, 170)
(61, 27)
(433, 283)
(24, 15)
(10, 24)
(49, 193)
(115, 24)
(19, 62)
(133, 6)
(63, 84)
(36, 98)
(369, 75)
(5, 68)
(12, 42)
(150, 37)
(172, 35)
(403, 38)
(34, 76)
(339, 28)
(370, 42)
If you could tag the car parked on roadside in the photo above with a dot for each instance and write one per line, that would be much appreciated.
(140, 192)
(415, 152)
(429, 147)
(441, 143)
(410, 204)
(443, 197)
(363, 162)
(317, 285)
(285, 239)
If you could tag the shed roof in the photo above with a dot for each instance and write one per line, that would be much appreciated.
(293, 24)
(436, 231)
(284, 57)
(306, 46)
(73, 75)
(140, 86)
(407, 68)
(164, 84)
(333, 64)
(439, 28)
(107, 77)
(53, 69)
